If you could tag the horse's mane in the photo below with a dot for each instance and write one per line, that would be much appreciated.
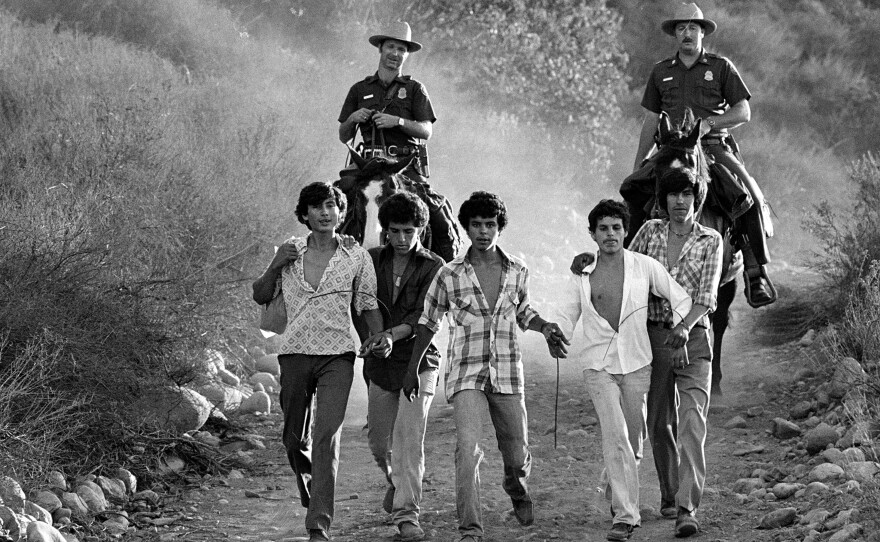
(682, 142)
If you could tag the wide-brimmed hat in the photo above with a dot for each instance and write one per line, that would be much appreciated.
(399, 31)
(686, 13)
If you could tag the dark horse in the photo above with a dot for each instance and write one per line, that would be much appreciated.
(369, 182)
(680, 147)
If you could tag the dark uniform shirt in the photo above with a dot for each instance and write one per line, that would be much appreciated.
(709, 87)
(408, 100)
(388, 373)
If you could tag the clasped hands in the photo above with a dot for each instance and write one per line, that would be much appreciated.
(556, 341)
(378, 345)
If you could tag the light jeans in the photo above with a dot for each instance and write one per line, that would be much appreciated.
(508, 413)
(396, 433)
(678, 404)
(621, 402)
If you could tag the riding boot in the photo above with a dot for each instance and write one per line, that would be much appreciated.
(759, 289)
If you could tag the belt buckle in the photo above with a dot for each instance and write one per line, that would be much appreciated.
(373, 152)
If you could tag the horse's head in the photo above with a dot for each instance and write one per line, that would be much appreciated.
(367, 183)
(679, 146)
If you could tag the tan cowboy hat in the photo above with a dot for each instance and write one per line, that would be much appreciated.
(399, 31)
(686, 13)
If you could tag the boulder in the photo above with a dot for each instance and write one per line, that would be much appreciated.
(228, 377)
(833, 455)
(113, 488)
(75, 504)
(128, 479)
(818, 438)
(801, 410)
(268, 380)
(816, 488)
(268, 364)
(57, 481)
(43, 532)
(847, 375)
(11, 494)
(776, 519)
(222, 396)
(257, 403)
(847, 533)
(47, 500)
(826, 472)
(862, 471)
(177, 409)
(815, 518)
(33, 509)
(95, 502)
(784, 429)
(62, 515)
(784, 490)
(747, 485)
(147, 495)
(859, 433)
(737, 422)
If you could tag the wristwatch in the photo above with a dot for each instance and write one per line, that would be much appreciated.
(400, 121)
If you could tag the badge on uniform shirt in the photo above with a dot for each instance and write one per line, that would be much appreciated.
(401, 94)
(709, 76)
(368, 96)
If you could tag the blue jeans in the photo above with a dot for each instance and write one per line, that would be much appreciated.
(508, 413)
(621, 402)
(678, 404)
(396, 433)
(302, 377)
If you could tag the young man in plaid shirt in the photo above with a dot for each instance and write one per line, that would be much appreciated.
(485, 291)
(682, 365)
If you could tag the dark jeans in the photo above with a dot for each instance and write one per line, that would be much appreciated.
(303, 377)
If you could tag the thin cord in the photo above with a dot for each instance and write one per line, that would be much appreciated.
(556, 406)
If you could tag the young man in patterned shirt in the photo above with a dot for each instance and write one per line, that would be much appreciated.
(318, 277)
(485, 291)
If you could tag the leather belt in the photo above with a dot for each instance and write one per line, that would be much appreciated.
(714, 140)
(390, 150)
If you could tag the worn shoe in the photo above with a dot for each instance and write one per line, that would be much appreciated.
(524, 512)
(470, 538)
(318, 535)
(668, 510)
(686, 524)
(409, 531)
(620, 531)
(388, 501)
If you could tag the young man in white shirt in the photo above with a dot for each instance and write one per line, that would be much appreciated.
(610, 299)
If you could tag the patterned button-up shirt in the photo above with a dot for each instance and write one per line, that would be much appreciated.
(697, 270)
(484, 352)
(318, 321)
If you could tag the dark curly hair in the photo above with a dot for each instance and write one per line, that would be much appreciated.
(403, 208)
(608, 208)
(485, 205)
(676, 180)
(313, 195)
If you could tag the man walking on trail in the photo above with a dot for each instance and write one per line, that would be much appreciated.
(319, 277)
(396, 118)
(485, 292)
(404, 271)
(681, 371)
(712, 88)
(610, 300)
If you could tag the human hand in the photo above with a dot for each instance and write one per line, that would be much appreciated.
(384, 120)
(411, 385)
(556, 340)
(379, 345)
(286, 254)
(680, 358)
(348, 241)
(678, 337)
(581, 261)
(361, 116)
(704, 127)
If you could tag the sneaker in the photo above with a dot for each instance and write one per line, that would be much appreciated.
(388, 501)
(686, 524)
(318, 535)
(620, 531)
(524, 512)
(409, 531)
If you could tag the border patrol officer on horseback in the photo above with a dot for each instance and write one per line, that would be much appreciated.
(396, 118)
(712, 88)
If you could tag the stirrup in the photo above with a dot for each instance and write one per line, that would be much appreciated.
(771, 289)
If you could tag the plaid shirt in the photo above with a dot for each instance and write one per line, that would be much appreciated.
(318, 320)
(698, 269)
(484, 352)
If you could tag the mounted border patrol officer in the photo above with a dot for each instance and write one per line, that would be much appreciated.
(396, 118)
(712, 88)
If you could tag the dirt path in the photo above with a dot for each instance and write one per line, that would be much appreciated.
(563, 481)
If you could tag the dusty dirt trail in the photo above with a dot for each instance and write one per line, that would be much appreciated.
(264, 504)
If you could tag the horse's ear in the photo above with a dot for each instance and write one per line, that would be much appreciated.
(665, 127)
(693, 138)
(400, 165)
(355, 157)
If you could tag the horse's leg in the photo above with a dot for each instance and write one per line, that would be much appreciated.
(719, 321)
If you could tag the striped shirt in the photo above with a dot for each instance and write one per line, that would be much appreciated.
(484, 352)
(318, 320)
(698, 269)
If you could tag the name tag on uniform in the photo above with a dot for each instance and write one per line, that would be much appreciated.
(368, 96)
(667, 79)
